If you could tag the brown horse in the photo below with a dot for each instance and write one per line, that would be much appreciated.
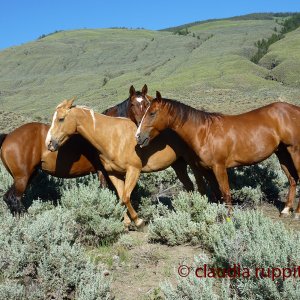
(23, 152)
(225, 141)
(118, 151)
(134, 107)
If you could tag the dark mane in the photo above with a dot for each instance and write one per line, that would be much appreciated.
(122, 109)
(183, 112)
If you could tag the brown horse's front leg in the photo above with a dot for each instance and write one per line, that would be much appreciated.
(222, 179)
(180, 168)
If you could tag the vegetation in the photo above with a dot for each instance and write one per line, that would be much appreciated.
(261, 249)
(263, 45)
(210, 67)
(42, 253)
(72, 238)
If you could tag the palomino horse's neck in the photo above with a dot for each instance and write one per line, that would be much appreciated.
(89, 124)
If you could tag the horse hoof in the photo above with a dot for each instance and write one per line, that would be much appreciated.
(286, 212)
(285, 215)
(139, 223)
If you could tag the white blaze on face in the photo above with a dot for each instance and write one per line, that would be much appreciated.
(140, 100)
(139, 128)
(48, 138)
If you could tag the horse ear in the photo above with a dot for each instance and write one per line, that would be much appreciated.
(131, 91)
(69, 103)
(145, 90)
(158, 96)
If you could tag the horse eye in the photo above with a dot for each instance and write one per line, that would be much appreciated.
(152, 114)
(61, 119)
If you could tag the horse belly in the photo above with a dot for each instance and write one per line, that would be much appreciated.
(65, 168)
(160, 160)
(250, 152)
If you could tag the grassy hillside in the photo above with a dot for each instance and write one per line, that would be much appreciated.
(209, 67)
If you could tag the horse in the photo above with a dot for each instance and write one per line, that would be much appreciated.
(226, 141)
(23, 153)
(114, 138)
(134, 108)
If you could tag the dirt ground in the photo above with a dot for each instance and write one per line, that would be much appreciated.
(271, 211)
(137, 272)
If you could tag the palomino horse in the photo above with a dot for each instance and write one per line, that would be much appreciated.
(118, 151)
(134, 108)
(23, 153)
(225, 141)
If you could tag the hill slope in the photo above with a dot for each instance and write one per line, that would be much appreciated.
(210, 67)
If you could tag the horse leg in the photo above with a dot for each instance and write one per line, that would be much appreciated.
(180, 168)
(222, 179)
(199, 173)
(102, 180)
(215, 190)
(13, 197)
(290, 171)
(295, 155)
(131, 178)
(118, 183)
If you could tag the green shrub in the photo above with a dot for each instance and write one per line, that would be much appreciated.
(10, 290)
(188, 222)
(248, 195)
(192, 287)
(254, 241)
(39, 258)
(266, 178)
(173, 229)
(97, 212)
(250, 241)
(150, 207)
(158, 184)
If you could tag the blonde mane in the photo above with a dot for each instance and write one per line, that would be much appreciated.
(91, 111)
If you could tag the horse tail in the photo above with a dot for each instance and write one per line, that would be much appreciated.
(2, 138)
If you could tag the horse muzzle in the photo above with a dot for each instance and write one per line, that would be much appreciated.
(143, 140)
(53, 145)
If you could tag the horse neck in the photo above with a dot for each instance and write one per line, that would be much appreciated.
(187, 129)
(91, 126)
(122, 109)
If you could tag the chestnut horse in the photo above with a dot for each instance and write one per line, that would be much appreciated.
(23, 153)
(226, 141)
(118, 151)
